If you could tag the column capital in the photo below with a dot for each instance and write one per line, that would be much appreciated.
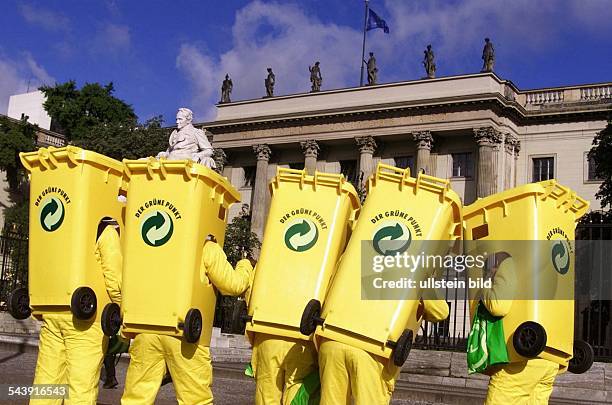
(366, 144)
(220, 159)
(512, 143)
(424, 139)
(262, 152)
(310, 148)
(488, 136)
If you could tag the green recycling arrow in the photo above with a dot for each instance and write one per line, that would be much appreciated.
(301, 236)
(51, 214)
(391, 233)
(560, 258)
(157, 228)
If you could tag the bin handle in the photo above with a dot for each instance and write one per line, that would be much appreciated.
(45, 159)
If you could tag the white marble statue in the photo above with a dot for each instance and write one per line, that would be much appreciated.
(188, 142)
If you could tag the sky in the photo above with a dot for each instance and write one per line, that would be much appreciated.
(162, 55)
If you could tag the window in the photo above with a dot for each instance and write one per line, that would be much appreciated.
(349, 169)
(462, 164)
(591, 176)
(297, 166)
(543, 168)
(404, 162)
(249, 176)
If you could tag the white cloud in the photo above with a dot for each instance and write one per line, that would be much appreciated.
(19, 75)
(292, 43)
(50, 20)
(112, 38)
(282, 36)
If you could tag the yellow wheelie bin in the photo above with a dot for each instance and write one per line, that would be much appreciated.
(173, 206)
(71, 191)
(534, 224)
(401, 214)
(308, 225)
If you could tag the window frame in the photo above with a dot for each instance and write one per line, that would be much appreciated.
(543, 156)
(470, 175)
(586, 166)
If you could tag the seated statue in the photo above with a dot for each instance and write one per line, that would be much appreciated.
(188, 142)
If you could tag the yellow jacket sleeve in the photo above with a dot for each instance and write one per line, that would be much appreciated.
(108, 254)
(435, 308)
(498, 298)
(220, 272)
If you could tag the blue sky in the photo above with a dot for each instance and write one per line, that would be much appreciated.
(162, 55)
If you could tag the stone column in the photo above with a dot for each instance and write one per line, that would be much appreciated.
(489, 142)
(517, 149)
(220, 159)
(509, 161)
(424, 141)
(258, 213)
(367, 146)
(311, 152)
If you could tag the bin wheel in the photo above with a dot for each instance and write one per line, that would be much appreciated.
(582, 359)
(111, 319)
(83, 304)
(310, 317)
(19, 303)
(193, 325)
(529, 339)
(240, 317)
(402, 348)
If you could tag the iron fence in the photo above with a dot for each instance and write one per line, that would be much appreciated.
(13, 265)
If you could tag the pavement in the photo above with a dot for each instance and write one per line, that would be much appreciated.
(230, 385)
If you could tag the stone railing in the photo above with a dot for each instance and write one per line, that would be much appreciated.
(534, 99)
(47, 139)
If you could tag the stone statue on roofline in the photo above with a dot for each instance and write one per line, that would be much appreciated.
(372, 70)
(488, 56)
(315, 77)
(428, 63)
(269, 82)
(226, 89)
(188, 142)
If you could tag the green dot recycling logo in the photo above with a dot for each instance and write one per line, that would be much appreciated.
(391, 237)
(301, 234)
(560, 256)
(156, 228)
(51, 214)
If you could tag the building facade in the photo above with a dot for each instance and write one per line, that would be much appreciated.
(31, 105)
(479, 131)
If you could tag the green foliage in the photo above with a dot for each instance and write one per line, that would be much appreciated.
(15, 137)
(16, 217)
(239, 238)
(601, 153)
(121, 140)
(76, 111)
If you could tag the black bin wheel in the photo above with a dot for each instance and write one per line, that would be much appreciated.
(402, 348)
(83, 304)
(193, 325)
(111, 319)
(310, 317)
(583, 357)
(239, 317)
(19, 303)
(529, 339)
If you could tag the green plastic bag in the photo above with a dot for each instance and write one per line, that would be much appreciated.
(486, 345)
(117, 345)
(248, 371)
(310, 391)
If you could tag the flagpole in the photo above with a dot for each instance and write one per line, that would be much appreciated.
(365, 24)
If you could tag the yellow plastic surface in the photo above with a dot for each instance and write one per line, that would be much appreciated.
(71, 190)
(430, 210)
(539, 212)
(308, 225)
(173, 205)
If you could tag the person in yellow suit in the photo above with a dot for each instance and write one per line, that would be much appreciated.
(347, 371)
(526, 382)
(189, 363)
(70, 350)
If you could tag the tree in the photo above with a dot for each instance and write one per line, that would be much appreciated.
(125, 140)
(601, 155)
(15, 137)
(239, 238)
(76, 111)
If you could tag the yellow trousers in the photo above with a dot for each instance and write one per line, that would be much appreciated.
(280, 365)
(350, 372)
(70, 351)
(189, 364)
(525, 383)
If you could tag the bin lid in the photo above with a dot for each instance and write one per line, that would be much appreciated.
(49, 157)
(544, 189)
(187, 167)
(319, 179)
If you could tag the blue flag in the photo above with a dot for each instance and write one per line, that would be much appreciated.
(374, 21)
